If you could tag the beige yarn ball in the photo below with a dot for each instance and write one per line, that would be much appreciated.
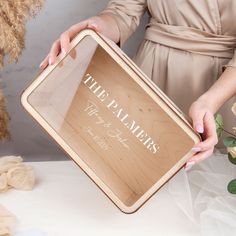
(21, 177)
(3, 183)
(15, 174)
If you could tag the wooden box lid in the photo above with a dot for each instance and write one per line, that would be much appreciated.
(113, 121)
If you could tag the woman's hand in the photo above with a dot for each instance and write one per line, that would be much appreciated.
(202, 113)
(104, 24)
(204, 123)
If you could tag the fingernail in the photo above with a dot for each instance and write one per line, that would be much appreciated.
(199, 129)
(41, 65)
(63, 51)
(50, 61)
(189, 165)
(94, 25)
(196, 149)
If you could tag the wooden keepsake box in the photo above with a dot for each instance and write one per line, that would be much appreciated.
(112, 120)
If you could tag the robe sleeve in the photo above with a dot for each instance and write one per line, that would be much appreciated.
(127, 14)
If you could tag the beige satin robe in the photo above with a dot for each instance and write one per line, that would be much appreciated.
(187, 44)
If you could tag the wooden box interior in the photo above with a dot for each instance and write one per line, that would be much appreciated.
(111, 122)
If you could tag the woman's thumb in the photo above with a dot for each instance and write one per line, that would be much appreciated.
(92, 24)
(197, 117)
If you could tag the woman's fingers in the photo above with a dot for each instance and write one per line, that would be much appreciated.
(55, 49)
(201, 155)
(210, 134)
(205, 148)
(75, 29)
(209, 142)
(65, 41)
(44, 63)
(67, 36)
(51, 57)
(95, 24)
(203, 122)
(197, 114)
(198, 158)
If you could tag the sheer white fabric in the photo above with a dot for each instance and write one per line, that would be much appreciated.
(201, 193)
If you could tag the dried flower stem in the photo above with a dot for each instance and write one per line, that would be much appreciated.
(232, 134)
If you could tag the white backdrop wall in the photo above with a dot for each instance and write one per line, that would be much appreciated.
(28, 138)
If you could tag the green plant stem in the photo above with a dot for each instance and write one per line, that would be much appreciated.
(228, 132)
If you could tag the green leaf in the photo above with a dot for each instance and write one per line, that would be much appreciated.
(231, 159)
(229, 142)
(232, 186)
(219, 121)
(219, 132)
(219, 125)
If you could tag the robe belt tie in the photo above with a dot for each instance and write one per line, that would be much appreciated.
(191, 39)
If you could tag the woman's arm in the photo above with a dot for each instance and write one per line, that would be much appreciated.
(222, 90)
(117, 21)
(202, 113)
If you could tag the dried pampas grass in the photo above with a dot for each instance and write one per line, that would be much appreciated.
(4, 118)
(13, 16)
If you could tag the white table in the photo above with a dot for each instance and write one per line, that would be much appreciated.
(66, 202)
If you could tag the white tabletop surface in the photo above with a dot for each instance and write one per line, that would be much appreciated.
(66, 202)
